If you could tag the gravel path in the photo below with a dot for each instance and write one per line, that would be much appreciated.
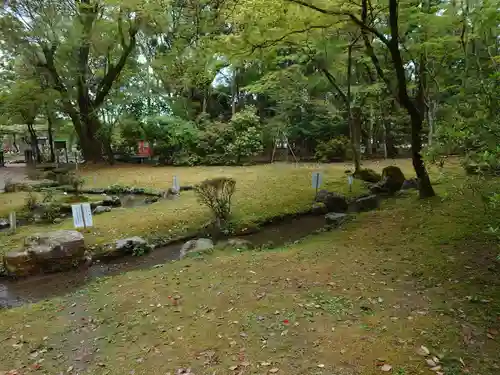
(13, 172)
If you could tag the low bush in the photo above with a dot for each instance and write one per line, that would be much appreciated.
(333, 150)
(216, 194)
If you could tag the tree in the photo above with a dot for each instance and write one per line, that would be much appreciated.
(78, 46)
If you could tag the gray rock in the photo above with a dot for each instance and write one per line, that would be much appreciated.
(47, 252)
(4, 223)
(112, 201)
(57, 220)
(237, 243)
(319, 208)
(129, 245)
(101, 209)
(334, 202)
(410, 184)
(171, 193)
(392, 181)
(195, 246)
(335, 218)
(150, 200)
(370, 202)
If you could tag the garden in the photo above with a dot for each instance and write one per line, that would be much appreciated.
(249, 187)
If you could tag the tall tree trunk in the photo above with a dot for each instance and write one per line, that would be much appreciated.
(34, 142)
(431, 111)
(14, 142)
(234, 92)
(51, 136)
(416, 116)
(369, 142)
(353, 123)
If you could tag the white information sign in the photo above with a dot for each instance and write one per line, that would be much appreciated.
(13, 220)
(176, 185)
(350, 180)
(76, 210)
(87, 214)
(316, 180)
(82, 215)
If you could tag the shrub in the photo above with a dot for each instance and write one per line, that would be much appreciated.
(117, 189)
(48, 196)
(216, 194)
(246, 143)
(31, 202)
(170, 135)
(51, 212)
(333, 150)
(76, 183)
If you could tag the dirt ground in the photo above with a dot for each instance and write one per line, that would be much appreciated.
(409, 289)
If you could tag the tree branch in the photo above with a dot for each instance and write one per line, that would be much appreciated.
(115, 70)
(351, 16)
(331, 79)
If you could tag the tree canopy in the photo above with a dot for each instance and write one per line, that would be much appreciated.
(385, 74)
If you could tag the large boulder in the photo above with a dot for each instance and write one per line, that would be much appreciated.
(132, 245)
(334, 202)
(113, 201)
(196, 246)
(319, 208)
(101, 209)
(47, 252)
(392, 181)
(367, 203)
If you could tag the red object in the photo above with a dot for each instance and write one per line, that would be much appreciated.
(143, 149)
(285, 321)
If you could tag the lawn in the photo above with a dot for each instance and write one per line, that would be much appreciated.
(261, 192)
(345, 302)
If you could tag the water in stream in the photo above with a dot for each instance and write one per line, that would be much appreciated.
(18, 292)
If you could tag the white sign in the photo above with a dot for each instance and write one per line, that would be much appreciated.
(350, 180)
(87, 214)
(317, 178)
(82, 215)
(12, 220)
(175, 185)
(76, 210)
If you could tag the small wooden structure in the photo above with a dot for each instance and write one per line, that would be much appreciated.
(60, 144)
(281, 142)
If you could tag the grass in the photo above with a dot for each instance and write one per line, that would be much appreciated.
(413, 273)
(262, 191)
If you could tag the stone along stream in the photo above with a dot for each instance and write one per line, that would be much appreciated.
(36, 288)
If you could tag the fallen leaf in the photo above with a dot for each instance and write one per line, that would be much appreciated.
(436, 368)
(321, 365)
(232, 368)
(274, 370)
(386, 368)
(430, 362)
(423, 351)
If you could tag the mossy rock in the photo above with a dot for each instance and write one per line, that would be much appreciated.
(393, 178)
(368, 175)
